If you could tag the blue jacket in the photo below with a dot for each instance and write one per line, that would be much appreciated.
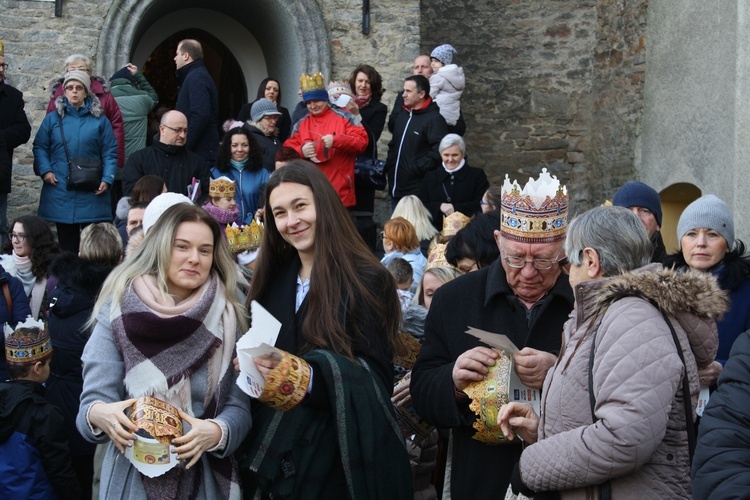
(21, 309)
(248, 185)
(198, 100)
(735, 321)
(89, 134)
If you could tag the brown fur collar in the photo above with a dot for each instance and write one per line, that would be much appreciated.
(693, 292)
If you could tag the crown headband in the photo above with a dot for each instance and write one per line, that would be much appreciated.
(538, 213)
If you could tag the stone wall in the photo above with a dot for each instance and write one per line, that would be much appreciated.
(551, 84)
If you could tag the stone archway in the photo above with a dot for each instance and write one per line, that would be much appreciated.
(291, 35)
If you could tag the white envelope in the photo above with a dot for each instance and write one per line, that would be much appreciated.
(258, 341)
(150, 457)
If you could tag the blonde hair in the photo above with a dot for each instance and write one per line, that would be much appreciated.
(411, 208)
(443, 273)
(154, 255)
(101, 243)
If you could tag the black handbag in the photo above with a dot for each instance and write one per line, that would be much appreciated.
(84, 174)
(370, 170)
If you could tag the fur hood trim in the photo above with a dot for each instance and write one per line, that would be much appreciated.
(81, 274)
(95, 107)
(692, 292)
(56, 82)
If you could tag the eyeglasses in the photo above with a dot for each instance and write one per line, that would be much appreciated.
(71, 88)
(17, 236)
(4, 65)
(538, 264)
(177, 130)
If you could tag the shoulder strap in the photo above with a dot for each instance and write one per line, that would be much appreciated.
(8, 300)
(62, 136)
(605, 489)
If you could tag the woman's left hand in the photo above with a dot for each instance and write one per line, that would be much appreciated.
(203, 436)
(710, 374)
(447, 208)
(520, 419)
(102, 188)
(266, 363)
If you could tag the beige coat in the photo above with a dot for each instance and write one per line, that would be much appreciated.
(639, 438)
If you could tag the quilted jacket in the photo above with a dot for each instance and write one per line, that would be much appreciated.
(638, 440)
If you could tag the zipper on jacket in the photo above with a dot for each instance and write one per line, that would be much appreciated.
(398, 157)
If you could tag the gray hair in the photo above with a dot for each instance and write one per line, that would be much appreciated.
(77, 57)
(616, 234)
(452, 140)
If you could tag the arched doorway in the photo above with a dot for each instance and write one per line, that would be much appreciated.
(159, 70)
(674, 199)
(282, 38)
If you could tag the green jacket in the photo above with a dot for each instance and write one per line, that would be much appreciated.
(136, 99)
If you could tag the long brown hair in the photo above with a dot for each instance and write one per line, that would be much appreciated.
(343, 268)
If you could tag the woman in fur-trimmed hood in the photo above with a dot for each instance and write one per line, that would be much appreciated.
(88, 134)
(613, 408)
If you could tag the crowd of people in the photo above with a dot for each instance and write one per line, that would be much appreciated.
(159, 251)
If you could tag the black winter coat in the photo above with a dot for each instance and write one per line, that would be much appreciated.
(463, 189)
(283, 126)
(269, 146)
(484, 300)
(413, 150)
(720, 465)
(175, 164)
(198, 100)
(71, 302)
(14, 131)
(33, 445)
(398, 107)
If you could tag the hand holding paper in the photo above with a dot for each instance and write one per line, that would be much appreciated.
(257, 343)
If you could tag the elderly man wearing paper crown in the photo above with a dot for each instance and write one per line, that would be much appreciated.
(524, 296)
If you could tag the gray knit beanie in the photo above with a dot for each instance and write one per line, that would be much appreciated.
(444, 53)
(263, 107)
(711, 212)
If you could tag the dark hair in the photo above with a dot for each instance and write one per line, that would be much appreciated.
(401, 270)
(423, 84)
(254, 159)
(41, 240)
(192, 48)
(376, 81)
(344, 269)
(262, 90)
(286, 154)
(735, 266)
(17, 370)
(476, 241)
(146, 189)
(494, 196)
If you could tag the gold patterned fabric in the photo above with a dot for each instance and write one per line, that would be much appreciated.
(286, 386)
(487, 397)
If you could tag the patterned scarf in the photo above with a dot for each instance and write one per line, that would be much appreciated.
(363, 100)
(198, 331)
(223, 217)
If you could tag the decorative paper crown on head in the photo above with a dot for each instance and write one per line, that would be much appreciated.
(247, 237)
(27, 343)
(454, 223)
(437, 257)
(313, 87)
(538, 213)
(2, 49)
(223, 187)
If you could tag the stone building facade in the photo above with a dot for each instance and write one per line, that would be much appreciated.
(557, 84)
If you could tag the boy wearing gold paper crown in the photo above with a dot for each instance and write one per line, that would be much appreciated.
(329, 137)
(34, 454)
(523, 295)
(221, 204)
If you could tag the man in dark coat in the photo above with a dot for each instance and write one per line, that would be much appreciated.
(198, 100)
(523, 295)
(413, 150)
(14, 131)
(644, 201)
(169, 159)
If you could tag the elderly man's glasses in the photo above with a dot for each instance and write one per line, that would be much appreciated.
(20, 237)
(177, 130)
(539, 264)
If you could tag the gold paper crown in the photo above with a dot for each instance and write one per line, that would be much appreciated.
(286, 386)
(536, 214)
(454, 223)
(247, 237)
(335, 89)
(2, 49)
(161, 420)
(487, 397)
(223, 187)
(437, 257)
(27, 343)
(312, 82)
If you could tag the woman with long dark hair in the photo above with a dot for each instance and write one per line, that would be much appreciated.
(241, 160)
(328, 397)
(270, 89)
